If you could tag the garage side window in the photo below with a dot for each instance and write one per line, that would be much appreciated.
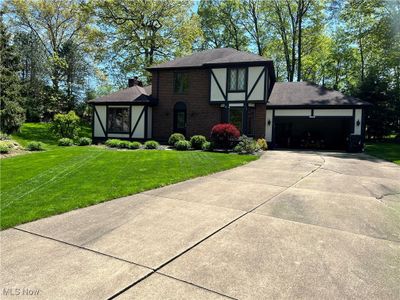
(118, 119)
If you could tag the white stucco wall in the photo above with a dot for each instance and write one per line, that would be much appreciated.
(258, 92)
(220, 76)
(292, 112)
(139, 131)
(98, 131)
(333, 112)
(357, 117)
(236, 96)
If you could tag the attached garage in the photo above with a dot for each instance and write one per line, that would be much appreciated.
(302, 115)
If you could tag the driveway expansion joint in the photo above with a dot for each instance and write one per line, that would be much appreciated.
(82, 248)
(212, 234)
(328, 227)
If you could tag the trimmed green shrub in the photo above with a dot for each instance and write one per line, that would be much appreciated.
(262, 144)
(4, 148)
(135, 145)
(175, 137)
(4, 137)
(197, 141)
(35, 146)
(84, 141)
(182, 145)
(66, 125)
(246, 145)
(65, 142)
(124, 144)
(207, 146)
(113, 143)
(151, 145)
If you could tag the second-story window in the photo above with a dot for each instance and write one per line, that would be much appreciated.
(181, 82)
(237, 79)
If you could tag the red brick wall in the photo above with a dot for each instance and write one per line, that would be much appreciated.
(201, 116)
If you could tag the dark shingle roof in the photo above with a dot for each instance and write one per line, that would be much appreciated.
(211, 57)
(309, 94)
(135, 94)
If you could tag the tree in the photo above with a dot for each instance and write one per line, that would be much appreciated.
(220, 24)
(145, 32)
(12, 115)
(56, 25)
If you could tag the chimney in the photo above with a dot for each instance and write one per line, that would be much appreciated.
(134, 81)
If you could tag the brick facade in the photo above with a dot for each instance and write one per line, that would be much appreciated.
(201, 115)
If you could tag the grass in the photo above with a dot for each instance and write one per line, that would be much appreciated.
(46, 183)
(40, 132)
(386, 150)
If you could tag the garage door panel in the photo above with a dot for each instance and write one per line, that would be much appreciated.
(312, 133)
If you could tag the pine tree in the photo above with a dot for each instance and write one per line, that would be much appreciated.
(12, 115)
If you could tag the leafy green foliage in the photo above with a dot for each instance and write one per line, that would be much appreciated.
(207, 146)
(12, 115)
(65, 142)
(262, 144)
(66, 125)
(246, 145)
(182, 145)
(135, 145)
(113, 143)
(175, 137)
(84, 141)
(4, 149)
(197, 141)
(35, 146)
(151, 145)
(124, 144)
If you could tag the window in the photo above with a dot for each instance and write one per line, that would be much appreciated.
(181, 83)
(118, 119)
(236, 118)
(237, 80)
(180, 117)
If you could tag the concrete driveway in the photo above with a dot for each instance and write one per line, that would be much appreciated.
(290, 225)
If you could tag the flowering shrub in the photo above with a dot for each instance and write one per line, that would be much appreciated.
(224, 135)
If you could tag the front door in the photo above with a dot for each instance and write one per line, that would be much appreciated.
(180, 118)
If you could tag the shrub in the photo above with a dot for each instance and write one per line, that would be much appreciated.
(124, 144)
(197, 141)
(207, 146)
(65, 125)
(35, 146)
(182, 145)
(113, 143)
(135, 145)
(12, 115)
(65, 142)
(224, 135)
(175, 137)
(246, 145)
(4, 137)
(84, 141)
(4, 149)
(151, 145)
(262, 144)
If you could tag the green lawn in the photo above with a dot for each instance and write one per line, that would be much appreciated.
(42, 184)
(386, 150)
(40, 132)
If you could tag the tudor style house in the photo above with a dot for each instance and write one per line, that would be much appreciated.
(193, 93)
